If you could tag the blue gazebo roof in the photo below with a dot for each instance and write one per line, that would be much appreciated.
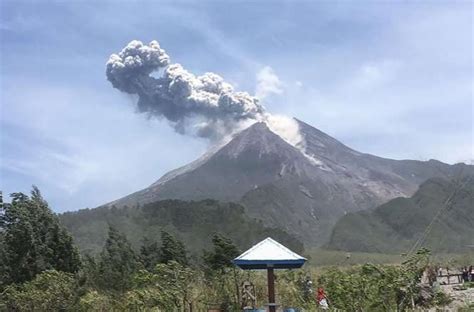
(269, 254)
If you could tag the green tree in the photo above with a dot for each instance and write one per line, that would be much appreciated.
(117, 263)
(219, 269)
(89, 276)
(4, 272)
(33, 240)
(224, 251)
(93, 301)
(149, 253)
(49, 291)
(169, 287)
(172, 249)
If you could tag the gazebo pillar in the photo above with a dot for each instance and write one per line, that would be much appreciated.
(271, 289)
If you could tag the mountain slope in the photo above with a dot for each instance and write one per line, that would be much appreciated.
(256, 156)
(395, 226)
(301, 191)
(194, 222)
(394, 177)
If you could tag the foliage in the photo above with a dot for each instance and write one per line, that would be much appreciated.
(117, 263)
(32, 240)
(93, 301)
(160, 278)
(222, 289)
(224, 251)
(366, 288)
(440, 299)
(397, 225)
(147, 299)
(378, 287)
(172, 249)
(295, 289)
(192, 222)
(88, 277)
(167, 287)
(469, 307)
(49, 291)
(149, 253)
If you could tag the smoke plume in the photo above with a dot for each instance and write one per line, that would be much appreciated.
(205, 105)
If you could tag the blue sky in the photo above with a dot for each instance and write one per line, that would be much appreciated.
(390, 78)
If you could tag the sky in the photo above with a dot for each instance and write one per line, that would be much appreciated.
(390, 78)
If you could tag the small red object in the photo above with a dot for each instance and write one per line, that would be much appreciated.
(321, 295)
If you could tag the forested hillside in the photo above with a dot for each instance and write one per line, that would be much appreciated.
(41, 270)
(442, 208)
(194, 222)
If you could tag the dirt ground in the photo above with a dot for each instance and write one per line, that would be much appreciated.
(461, 298)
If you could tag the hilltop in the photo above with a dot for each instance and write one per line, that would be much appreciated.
(395, 226)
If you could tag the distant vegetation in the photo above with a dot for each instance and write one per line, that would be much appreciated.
(193, 222)
(321, 258)
(439, 215)
(41, 269)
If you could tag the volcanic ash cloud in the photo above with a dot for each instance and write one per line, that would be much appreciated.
(205, 105)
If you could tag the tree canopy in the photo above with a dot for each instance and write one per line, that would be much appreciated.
(172, 249)
(224, 251)
(117, 262)
(33, 240)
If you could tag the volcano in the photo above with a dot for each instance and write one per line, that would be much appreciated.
(302, 189)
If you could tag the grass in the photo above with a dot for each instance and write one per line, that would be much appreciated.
(320, 257)
(325, 257)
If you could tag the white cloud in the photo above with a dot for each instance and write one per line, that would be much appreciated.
(268, 83)
(374, 74)
(67, 172)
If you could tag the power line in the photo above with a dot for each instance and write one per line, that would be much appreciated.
(447, 204)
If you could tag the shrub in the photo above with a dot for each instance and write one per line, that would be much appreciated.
(49, 291)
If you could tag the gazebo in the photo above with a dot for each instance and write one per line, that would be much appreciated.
(269, 255)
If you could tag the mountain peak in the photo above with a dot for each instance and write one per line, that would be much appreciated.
(303, 186)
(258, 130)
(260, 139)
(257, 138)
(258, 126)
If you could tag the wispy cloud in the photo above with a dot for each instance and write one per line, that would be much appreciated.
(84, 147)
(268, 83)
(373, 74)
